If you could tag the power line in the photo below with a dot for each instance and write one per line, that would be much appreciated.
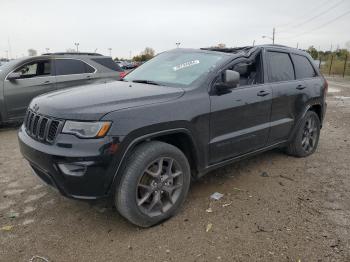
(320, 26)
(320, 14)
(304, 14)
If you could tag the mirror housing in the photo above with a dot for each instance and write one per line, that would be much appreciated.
(13, 76)
(230, 80)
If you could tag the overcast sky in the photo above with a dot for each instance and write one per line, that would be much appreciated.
(129, 26)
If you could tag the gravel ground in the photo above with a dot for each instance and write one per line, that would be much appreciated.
(299, 210)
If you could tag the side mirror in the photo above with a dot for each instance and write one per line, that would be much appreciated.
(14, 76)
(230, 80)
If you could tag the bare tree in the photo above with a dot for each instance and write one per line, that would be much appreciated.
(32, 52)
(149, 51)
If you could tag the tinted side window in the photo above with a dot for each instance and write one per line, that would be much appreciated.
(71, 67)
(35, 69)
(107, 62)
(280, 67)
(303, 68)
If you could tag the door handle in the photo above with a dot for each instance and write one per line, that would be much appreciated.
(300, 87)
(88, 77)
(263, 93)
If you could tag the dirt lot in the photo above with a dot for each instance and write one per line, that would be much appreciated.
(300, 211)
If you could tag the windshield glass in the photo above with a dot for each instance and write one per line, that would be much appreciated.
(9, 64)
(175, 68)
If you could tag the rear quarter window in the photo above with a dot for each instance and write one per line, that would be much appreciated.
(280, 67)
(303, 67)
(107, 62)
(72, 67)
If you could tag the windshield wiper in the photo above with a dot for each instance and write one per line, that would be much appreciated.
(150, 82)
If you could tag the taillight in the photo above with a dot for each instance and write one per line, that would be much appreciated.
(122, 74)
(325, 87)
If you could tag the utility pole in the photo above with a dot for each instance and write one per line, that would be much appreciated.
(273, 36)
(297, 45)
(178, 44)
(7, 54)
(77, 45)
(346, 59)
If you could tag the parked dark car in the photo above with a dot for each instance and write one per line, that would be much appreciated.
(173, 119)
(23, 79)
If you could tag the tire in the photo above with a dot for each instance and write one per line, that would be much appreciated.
(306, 138)
(153, 184)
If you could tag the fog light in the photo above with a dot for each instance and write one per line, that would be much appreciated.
(76, 169)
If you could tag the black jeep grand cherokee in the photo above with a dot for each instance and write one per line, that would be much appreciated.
(178, 116)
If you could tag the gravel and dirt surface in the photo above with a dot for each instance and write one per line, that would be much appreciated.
(274, 208)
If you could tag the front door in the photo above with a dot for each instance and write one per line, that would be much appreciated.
(239, 121)
(35, 79)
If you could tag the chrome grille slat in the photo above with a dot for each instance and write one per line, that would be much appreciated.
(41, 127)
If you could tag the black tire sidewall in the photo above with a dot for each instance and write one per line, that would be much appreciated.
(298, 139)
(140, 158)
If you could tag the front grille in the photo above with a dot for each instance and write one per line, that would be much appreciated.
(41, 128)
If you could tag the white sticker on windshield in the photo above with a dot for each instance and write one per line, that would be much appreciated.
(187, 64)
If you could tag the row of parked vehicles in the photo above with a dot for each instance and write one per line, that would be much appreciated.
(127, 65)
(143, 139)
(23, 79)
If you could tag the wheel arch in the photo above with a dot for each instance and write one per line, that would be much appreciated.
(315, 107)
(179, 137)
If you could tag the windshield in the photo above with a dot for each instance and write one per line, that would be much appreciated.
(7, 65)
(175, 68)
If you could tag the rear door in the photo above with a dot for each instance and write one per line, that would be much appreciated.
(305, 71)
(239, 120)
(36, 78)
(286, 94)
(71, 72)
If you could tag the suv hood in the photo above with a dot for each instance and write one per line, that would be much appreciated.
(91, 102)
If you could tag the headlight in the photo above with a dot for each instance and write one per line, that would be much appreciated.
(86, 129)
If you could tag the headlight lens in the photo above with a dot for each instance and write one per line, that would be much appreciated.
(86, 129)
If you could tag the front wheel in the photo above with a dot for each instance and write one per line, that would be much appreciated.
(306, 138)
(154, 184)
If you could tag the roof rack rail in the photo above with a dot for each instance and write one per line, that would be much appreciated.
(73, 53)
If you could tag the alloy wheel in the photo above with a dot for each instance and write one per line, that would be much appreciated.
(159, 187)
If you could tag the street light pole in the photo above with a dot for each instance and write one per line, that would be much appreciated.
(47, 49)
(273, 36)
(110, 51)
(177, 44)
(77, 45)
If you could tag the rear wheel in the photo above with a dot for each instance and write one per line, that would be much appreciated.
(154, 184)
(306, 138)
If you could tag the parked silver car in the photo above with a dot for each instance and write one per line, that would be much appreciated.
(23, 79)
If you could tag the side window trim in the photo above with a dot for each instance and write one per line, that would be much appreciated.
(77, 59)
(40, 76)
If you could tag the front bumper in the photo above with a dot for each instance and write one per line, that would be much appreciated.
(78, 168)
